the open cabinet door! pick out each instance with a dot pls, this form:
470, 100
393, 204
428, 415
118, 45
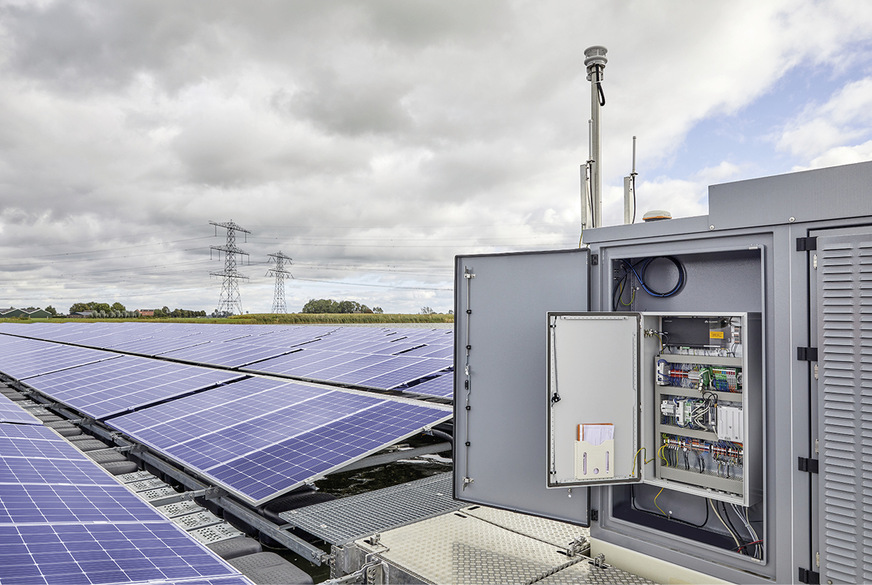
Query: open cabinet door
501, 306
594, 397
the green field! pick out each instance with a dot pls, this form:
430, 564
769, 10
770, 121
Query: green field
273, 319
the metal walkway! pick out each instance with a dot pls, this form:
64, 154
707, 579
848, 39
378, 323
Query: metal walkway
347, 519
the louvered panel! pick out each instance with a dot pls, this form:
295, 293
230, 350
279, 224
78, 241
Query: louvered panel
844, 296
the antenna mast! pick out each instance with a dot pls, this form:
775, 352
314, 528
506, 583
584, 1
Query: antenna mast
230, 301
281, 274
595, 61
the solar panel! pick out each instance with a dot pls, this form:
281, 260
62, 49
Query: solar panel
404, 375
107, 388
440, 386
63, 519
260, 438
35, 441
231, 355
45, 357
11, 412
292, 462
103, 553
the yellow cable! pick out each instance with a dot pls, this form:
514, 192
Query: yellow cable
644, 461
655, 502
662, 456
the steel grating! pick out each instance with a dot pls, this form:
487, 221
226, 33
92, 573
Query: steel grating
587, 573
347, 519
458, 548
561, 534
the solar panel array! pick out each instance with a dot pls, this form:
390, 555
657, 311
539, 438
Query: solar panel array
262, 438
394, 359
110, 387
257, 437
63, 519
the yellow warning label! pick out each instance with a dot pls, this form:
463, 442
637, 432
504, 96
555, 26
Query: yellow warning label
716, 334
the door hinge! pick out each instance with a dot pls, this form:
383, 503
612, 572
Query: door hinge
594, 259
806, 244
806, 576
807, 354
808, 464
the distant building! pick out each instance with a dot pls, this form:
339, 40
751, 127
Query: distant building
13, 313
146, 312
39, 314
82, 314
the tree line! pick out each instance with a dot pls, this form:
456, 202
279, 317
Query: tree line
118, 311
331, 306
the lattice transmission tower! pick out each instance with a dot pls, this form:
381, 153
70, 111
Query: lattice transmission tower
281, 275
230, 301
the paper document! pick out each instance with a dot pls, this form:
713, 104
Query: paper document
595, 434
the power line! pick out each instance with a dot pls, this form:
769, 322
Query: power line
230, 301
281, 274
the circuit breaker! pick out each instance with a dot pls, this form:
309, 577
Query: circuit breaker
668, 399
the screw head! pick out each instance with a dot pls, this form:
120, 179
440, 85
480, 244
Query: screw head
711, 227
791, 219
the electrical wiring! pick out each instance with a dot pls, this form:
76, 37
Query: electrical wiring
666, 517
658, 507
639, 270
732, 534
644, 461
758, 549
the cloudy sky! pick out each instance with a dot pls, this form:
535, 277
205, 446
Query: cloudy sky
372, 141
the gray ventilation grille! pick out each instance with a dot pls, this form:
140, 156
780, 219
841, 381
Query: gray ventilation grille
845, 398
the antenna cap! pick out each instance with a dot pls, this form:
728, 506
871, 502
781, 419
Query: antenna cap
595, 55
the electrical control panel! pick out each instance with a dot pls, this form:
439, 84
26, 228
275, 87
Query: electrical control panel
668, 399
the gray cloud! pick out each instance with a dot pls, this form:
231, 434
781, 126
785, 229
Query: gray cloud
370, 141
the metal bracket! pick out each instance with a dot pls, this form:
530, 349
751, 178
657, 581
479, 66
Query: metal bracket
467, 481
806, 576
806, 244
808, 465
807, 354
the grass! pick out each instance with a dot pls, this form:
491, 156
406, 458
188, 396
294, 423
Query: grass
271, 319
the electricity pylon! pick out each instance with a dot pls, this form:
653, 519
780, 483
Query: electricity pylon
281, 274
230, 301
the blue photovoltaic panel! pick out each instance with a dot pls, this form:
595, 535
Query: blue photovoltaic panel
103, 553
441, 386
35, 441
50, 471
405, 374
44, 503
49, 357
12, 413
323, 449
107, 388
231, 355
204, 414
63, 519
241, 434
158, 345
305, 360
341, 367
255, 435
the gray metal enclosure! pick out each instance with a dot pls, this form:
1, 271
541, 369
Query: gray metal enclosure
793, 251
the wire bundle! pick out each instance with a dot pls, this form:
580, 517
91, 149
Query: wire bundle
639, 270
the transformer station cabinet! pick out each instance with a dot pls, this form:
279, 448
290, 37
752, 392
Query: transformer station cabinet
698, 391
